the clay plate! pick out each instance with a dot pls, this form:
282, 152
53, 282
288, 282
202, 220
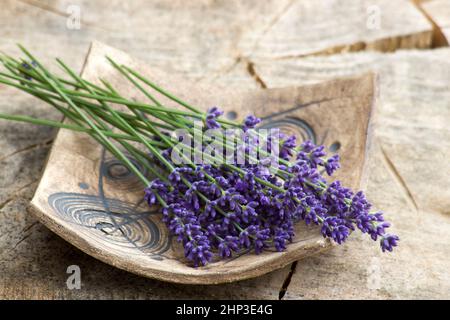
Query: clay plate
88, 198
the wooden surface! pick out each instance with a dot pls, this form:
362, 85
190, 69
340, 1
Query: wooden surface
326, 27
201, 41
438, 11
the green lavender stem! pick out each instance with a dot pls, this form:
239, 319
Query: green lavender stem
55, 84
46, 85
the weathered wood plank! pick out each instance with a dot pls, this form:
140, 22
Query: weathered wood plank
179, 37
196, 39
325, 27
408, 178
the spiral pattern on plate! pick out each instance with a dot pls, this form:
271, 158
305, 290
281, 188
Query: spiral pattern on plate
112, 220
292, 126
119, 177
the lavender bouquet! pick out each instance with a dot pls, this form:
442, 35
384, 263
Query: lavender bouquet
224, 187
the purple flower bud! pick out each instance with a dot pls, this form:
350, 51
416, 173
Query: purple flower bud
250, 122
198, 250
332, 164
174, 176
261, 236
307, 146
281, 239
287, 148
211, 118
214, 208
227, 246
388, 241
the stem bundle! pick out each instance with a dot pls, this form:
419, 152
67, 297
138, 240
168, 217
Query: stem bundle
257, 207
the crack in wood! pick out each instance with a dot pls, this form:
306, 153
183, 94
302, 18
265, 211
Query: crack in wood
277, 17
271, 24
30, 226
16, 193
224, 71
20, 241
27, 149
407, 192
439, 39
26, 235
251, 70
25, 186
5, 203
287, 280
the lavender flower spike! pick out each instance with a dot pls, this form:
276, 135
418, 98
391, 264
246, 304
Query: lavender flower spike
250, 122
388, 241
211, 118
216, 210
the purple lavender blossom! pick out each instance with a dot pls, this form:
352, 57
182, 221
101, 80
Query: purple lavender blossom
228, 245
389, 241
250, 122
261, 238
198, 250
281, 239
332, 164
211, 118
215, 211
335, 228
287, 147
307, 146
314, 156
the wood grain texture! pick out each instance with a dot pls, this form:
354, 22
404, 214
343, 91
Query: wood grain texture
202, 39
326, 27
103, 215
408, 178
198, 39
